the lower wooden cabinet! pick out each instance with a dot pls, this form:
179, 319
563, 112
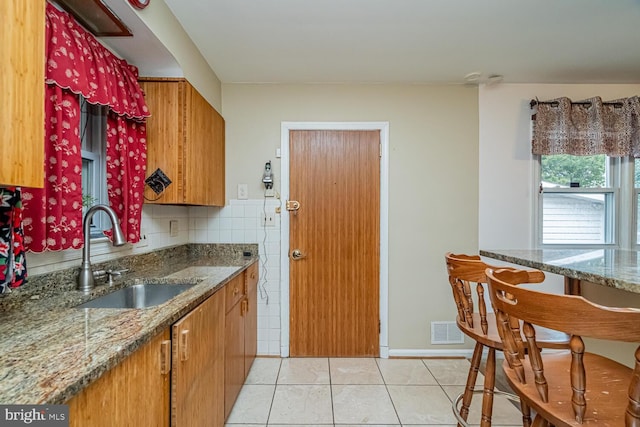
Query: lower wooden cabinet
250, 317
134, 393
198, 357
241, 329
188, 375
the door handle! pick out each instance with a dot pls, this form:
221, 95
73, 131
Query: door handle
296, 255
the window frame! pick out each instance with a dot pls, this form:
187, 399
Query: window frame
621, 184
93, 140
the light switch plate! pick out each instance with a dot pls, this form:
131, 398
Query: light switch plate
243, 191
173, 228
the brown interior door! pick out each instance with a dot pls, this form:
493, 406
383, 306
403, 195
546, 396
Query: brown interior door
334, 282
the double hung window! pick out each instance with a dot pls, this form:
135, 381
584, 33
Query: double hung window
588, 201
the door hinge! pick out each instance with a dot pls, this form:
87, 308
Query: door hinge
379, 326
380, 145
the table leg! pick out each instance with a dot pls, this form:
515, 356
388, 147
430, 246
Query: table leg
572, 286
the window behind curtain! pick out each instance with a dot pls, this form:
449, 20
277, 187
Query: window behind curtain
93, 133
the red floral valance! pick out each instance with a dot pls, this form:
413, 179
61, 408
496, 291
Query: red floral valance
78, 62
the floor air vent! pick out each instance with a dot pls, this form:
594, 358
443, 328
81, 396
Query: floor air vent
446, 333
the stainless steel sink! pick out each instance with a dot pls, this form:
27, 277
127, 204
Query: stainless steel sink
138, 296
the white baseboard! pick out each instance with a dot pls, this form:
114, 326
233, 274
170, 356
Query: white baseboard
430, 353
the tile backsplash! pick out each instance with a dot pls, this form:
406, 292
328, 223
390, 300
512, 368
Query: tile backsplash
241, 221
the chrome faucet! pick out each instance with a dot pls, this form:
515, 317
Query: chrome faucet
85, 279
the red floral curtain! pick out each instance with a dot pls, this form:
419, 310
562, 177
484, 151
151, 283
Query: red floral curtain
52, 217
126, 166
78, 64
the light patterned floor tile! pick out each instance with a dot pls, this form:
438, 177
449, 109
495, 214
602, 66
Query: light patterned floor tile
505, 412
421, 404
451, 371
363, 404
252, 405
354, 371
301, 404
405, 372
304, 371
264, 371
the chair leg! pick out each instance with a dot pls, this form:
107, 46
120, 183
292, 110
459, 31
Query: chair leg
489, 384
471, 381
526, 414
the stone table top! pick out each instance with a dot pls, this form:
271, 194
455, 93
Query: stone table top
614, 268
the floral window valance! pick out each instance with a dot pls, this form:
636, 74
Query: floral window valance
77, 61
587, 127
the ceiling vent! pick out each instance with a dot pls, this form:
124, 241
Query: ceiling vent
96, 17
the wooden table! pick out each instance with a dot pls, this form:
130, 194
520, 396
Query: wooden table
614, 268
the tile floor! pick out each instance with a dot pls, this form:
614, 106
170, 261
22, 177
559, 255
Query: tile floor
382, 392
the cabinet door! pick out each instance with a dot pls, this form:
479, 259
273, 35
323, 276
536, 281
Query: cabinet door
22, 26
204, 152
198, 366
251, 317
234, 357
134, 393
165, 137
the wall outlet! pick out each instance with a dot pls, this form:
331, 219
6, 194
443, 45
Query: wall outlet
144, 239
269, 192
174, 229
268, 219
243, 191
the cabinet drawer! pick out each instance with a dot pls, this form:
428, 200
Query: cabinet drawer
234, 291
251, 277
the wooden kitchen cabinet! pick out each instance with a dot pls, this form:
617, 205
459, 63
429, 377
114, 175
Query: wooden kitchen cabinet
241, 333
250, 317
22, 24
134, 393
186, 140
198, 365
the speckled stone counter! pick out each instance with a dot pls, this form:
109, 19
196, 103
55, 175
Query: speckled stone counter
49, 350
615, 268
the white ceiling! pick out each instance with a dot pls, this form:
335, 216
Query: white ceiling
416, 41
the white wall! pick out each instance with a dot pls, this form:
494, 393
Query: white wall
158, 17
507, 185
433, 170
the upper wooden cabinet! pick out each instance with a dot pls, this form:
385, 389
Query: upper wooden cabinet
22, 26
185, 138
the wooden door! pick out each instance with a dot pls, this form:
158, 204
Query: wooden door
334, 287
198, 366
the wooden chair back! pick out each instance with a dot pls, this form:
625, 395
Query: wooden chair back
579, 318
465, 271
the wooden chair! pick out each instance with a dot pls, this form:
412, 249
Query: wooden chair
480, 325
568, 388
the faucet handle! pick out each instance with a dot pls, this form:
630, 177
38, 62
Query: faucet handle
111, 273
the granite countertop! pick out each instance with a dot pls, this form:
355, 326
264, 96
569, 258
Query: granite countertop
49, 350
614, 268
